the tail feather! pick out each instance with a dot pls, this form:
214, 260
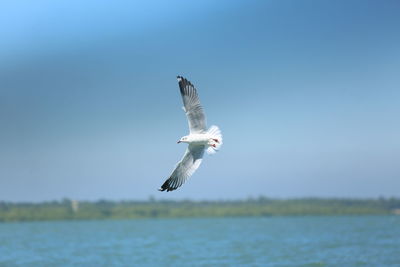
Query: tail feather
216, 134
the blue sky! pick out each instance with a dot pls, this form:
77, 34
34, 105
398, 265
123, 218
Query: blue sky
306, 94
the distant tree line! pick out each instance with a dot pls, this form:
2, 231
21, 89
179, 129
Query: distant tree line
103, 209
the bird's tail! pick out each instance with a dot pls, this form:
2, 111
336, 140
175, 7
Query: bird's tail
216, 139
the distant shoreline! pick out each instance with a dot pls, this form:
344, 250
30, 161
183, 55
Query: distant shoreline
67, 209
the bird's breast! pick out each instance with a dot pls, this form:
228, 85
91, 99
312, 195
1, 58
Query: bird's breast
198, 139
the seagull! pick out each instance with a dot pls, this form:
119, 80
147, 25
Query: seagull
200, 138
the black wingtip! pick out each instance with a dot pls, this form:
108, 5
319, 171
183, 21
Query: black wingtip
166, 187
183, 82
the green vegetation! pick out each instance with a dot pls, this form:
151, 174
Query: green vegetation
73, 210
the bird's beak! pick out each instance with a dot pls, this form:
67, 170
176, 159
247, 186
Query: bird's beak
178, 142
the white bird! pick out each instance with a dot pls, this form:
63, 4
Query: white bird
199, 139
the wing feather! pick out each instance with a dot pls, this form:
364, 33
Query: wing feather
192, 107
185, 168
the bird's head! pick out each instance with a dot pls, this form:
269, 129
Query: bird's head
183, 140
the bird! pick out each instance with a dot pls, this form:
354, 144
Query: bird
199, 139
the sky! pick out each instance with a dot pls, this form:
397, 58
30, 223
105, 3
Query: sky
306, 93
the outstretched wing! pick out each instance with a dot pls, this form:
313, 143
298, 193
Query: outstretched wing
192, 106
185, 168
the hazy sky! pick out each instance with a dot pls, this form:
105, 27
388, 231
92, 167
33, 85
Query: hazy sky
307, 94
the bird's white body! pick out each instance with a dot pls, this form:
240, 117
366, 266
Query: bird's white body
198, 139
210, 140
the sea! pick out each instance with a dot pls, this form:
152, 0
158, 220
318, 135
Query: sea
245, 241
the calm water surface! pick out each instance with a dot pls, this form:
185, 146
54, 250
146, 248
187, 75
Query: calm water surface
276, 241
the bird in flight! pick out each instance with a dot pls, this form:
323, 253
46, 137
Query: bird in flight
200, 138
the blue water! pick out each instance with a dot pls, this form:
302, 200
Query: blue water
275, 241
